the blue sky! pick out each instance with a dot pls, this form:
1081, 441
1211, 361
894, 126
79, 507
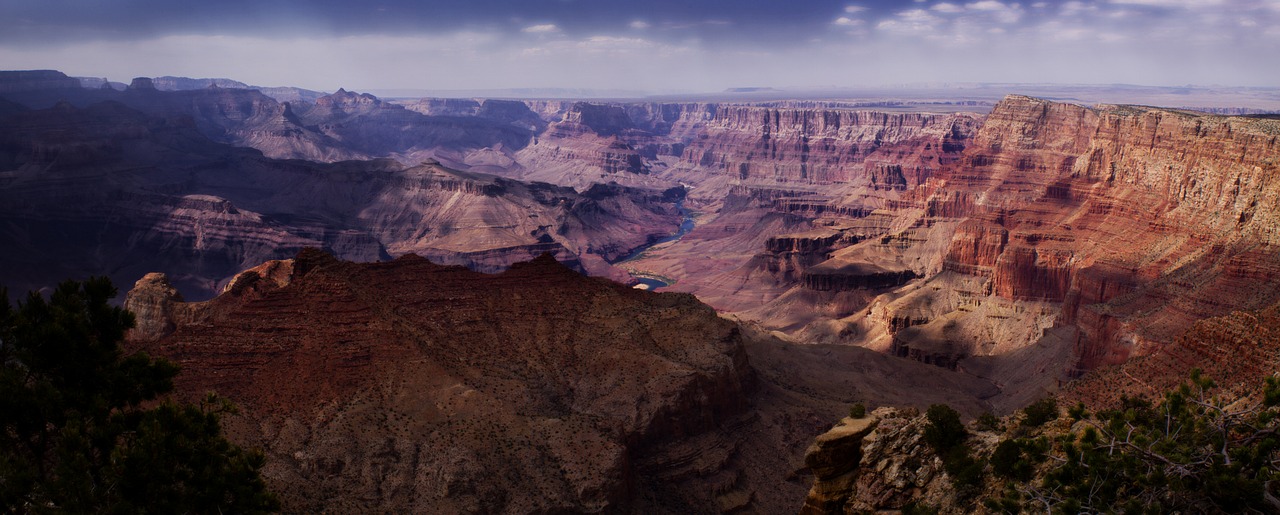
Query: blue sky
655, 46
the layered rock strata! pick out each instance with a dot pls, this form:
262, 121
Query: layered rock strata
125, 193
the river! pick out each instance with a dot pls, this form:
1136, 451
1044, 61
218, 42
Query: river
686, 225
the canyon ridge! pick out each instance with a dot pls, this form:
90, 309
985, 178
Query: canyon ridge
426, 303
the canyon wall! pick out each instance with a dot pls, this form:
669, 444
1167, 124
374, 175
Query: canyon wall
110, 189
1041, 241
1138, 220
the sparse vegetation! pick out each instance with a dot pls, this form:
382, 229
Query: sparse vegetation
945, 431
80, 431
1194, 452
913, 508
858, 410
946, 434
989, 422
1040, 412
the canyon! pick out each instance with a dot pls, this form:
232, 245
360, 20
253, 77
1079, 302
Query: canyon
406, 385
982, 254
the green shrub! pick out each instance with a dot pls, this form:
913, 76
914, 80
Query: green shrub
84, 427
1009, 461
858, 410
944, 431
1040, 412
989, 422
1195, 452
914, 508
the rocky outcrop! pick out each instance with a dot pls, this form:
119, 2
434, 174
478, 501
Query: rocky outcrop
421, 402
141, 84
588, 145
511, 112
788, 256
833, 458
878, 463
152, 300
170, 83
855, 276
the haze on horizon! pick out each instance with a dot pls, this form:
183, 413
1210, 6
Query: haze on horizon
656, 46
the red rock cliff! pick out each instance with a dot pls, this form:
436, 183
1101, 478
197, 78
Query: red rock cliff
1140, 220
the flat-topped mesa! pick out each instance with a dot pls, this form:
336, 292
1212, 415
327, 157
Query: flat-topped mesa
559, 380
788, 256
36, 80
141, 84
605, 120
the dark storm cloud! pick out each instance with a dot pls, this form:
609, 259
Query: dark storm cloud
125, 19
656, 45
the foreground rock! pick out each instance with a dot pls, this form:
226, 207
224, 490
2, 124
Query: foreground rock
409, 386
414, 386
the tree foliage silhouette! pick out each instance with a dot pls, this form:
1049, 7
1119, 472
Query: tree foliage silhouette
1196, 451
81, 430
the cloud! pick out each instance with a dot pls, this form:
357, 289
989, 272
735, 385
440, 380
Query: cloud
910, 23
1175, 4
690, 45
545, 28
1075, 8
1005, 13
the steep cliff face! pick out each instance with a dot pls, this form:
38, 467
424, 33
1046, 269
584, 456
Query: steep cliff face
366, 124
1137, 219
1238, 350
824, 168
1053, 239
816, 146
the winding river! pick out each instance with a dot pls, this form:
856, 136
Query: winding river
686, 225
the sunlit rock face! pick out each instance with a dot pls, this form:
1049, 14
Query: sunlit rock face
1044, 237
1138, 220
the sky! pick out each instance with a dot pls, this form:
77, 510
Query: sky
654, 46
